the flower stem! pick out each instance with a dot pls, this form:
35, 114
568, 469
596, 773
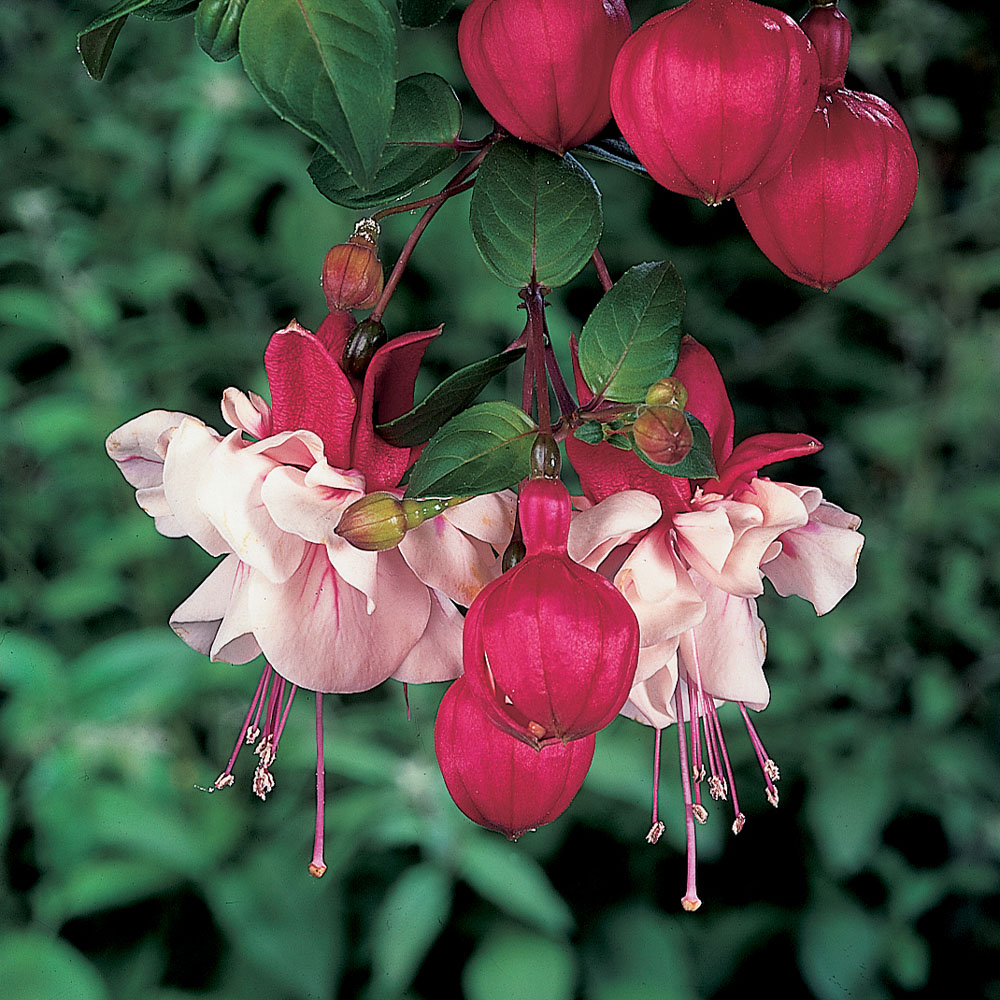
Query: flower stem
603, 275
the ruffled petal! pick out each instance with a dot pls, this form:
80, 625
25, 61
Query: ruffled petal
489, 517
651, 699
727, 648
214, 620
189, 450
594, 532
819, 561
447, 559
315, 629
437, 656
246, 412
229, 494
135, 447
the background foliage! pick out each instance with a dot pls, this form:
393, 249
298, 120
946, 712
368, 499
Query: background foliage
154, 230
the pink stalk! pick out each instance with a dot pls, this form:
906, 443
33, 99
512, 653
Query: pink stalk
317, 867
690, 901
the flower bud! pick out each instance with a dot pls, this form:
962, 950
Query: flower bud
545, 458
541, 67
667, 392
550, 647
360, 347
373, 523
830, 32
847, 188
662, 434
352, 272
496, 780
714, 95
217, 27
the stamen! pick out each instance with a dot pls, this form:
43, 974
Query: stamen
690, 901
740, 819
656, 830
225, 779
284, 718
253, 733
716, 785
406, 698
317, 867
768, 766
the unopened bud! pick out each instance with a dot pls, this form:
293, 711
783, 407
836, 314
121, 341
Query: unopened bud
662, 434
513, 554
545, 459
352, 272
667, 392
217, 27
360, 347
378, 521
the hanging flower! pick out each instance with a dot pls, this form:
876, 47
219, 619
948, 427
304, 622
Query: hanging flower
326, 615
693, 579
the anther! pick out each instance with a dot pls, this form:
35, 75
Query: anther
655, 832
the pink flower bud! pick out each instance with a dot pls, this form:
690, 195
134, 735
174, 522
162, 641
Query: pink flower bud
550, 647
541, 67
841, 197
830, 32
496, 780
714, 95
662, 434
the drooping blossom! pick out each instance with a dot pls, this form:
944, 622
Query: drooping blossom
550, 647
267, 497
497, 780
693, 579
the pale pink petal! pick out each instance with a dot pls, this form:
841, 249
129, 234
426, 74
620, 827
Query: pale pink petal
214, 620
447, 559
247, 412
229, 493
705, 536
189, 450
658, 589
310, 505
651, 699
154, 502
594, 532
819, 561
437, 656
727, 649
316, 632
290, 448
489, 517
134, 447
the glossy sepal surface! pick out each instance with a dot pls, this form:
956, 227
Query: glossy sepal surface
714, 95
842, 195
498, 781
550, 647
541, 67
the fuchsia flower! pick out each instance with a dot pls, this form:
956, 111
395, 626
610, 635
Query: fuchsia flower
550, 647
693, 579
497, 780
327, 616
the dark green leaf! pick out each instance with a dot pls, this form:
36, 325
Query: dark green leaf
697, 464
37, 965
591, 432
534, 214
616, 151
452, 396
505, 875
519, 964
483, 450
412, 915
97, 40
427, 111
423, 13
633, 336
329, 68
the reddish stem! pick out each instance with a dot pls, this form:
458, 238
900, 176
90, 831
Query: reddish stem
603, 275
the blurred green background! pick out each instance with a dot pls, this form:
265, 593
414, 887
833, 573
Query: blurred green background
154, 230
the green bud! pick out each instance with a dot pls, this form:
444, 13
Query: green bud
217, 27
545, 459
667, 392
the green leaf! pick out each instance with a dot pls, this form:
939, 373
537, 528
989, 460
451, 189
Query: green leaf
699, 463
534, 214
452, 396
519, 964
412, 915
839, 950
633, 336
483, 450
427, 111
612, 150
423, 13
329, 68
36, 965
97, 40
591, 432
508, 877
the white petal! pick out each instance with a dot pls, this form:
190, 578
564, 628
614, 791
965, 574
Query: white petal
437, 656
594, 532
